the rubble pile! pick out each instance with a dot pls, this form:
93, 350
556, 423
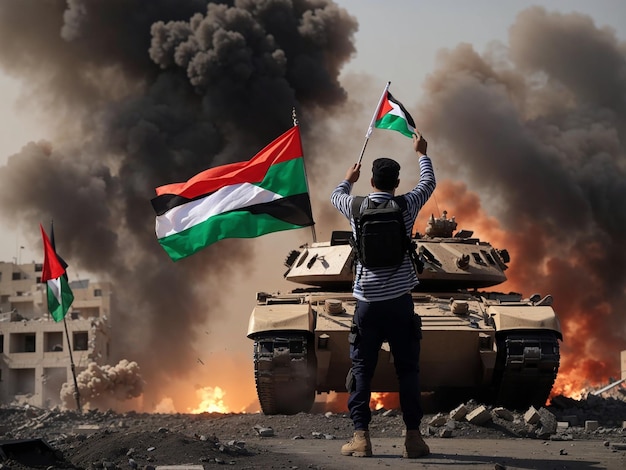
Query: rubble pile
95, 439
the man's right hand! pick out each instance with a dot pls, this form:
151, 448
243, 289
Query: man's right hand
353, 173
419, 144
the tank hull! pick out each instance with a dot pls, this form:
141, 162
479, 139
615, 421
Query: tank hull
498, 348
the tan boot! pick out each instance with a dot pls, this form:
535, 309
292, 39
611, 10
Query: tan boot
414, 445
359, 446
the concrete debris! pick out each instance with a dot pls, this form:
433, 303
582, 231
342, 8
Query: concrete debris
591, 425
479, 416
532, 416
547, 423
503, 413
438, 420
263, 431
458, 413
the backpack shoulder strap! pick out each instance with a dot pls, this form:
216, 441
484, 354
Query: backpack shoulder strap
401, 201
356, 207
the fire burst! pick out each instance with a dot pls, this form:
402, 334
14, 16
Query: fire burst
211, 400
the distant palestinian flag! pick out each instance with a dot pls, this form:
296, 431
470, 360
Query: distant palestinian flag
240, 200
393, 116
60, 296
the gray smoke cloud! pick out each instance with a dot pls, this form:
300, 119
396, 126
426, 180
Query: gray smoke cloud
104, 386
142, 94
537, 127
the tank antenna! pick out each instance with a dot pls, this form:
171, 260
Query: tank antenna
294, 116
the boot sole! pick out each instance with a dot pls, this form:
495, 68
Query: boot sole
415, 455
357, 454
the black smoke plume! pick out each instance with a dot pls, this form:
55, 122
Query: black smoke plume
144, 93
537, 127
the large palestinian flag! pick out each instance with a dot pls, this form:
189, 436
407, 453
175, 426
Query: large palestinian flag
266, 194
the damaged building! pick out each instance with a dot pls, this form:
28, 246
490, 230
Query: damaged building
34, 353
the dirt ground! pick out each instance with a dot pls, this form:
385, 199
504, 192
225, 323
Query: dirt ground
37, 438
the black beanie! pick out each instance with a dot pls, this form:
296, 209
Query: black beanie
385, 173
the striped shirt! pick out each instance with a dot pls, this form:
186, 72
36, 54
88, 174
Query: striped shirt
375, 284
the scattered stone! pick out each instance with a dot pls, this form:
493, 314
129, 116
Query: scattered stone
591, 425
562, 437
479, 416
390, 413
458, 413
618, 446
503, 413
445, 432
606, 443
263, 431
532, 416
437, 420
548, 423
499, 466
328, 414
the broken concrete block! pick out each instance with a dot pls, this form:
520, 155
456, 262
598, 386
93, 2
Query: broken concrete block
263, 431
503, 413
532, 416
437, 420
562, 425
591, 425
445, 432
547, 421
479, 416
618, 446
458, 413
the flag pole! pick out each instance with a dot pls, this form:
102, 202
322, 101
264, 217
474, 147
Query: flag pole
373, 121
295, 124
69, 347
67, 335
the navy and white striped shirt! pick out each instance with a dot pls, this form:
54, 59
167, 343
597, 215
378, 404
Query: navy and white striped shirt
375, 284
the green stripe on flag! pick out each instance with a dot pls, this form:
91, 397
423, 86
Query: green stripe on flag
285, 178
394, 123
236, 224
60, 297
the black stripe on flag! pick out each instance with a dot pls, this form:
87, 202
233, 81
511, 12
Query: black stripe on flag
409, 118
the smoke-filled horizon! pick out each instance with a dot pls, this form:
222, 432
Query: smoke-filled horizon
141, 97
147, 94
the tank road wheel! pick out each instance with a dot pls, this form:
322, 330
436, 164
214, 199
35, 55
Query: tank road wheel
526, 367
285, 370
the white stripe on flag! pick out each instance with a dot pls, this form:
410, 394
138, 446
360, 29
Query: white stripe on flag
228, 198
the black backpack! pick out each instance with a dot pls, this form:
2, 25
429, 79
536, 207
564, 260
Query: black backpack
381, 239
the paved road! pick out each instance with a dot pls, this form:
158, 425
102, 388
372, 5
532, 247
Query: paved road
457, 454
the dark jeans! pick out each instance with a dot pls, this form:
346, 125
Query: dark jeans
395, 321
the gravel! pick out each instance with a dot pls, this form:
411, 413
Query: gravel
110, 440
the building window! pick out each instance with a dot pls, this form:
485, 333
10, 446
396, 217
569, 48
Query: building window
53, 341
16, 276
97, 292
81, 341
38, 279
22, 342
38, 267
1, 344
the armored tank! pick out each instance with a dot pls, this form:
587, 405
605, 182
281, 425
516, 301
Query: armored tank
501, 349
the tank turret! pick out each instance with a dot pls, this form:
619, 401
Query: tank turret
505, 352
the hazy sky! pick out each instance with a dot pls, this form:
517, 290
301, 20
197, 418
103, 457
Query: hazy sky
397, 40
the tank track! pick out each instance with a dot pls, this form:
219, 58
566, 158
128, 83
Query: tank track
284, 372
526, 368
